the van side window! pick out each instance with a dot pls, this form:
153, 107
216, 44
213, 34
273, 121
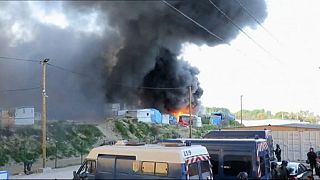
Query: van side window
148, 167
161, 168
124, 166
106, 164
234, 164
214, 159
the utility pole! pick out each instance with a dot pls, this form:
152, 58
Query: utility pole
241, 109
56, 155
44, 113
190, 117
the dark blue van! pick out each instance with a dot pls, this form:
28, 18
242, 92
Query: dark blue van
230, 157
244, 134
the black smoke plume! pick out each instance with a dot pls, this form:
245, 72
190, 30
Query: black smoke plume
148, 28
164, 79
121, 46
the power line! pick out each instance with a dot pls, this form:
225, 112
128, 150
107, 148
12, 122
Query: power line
3, 58
195, 22
257, 21
238, 27
201, 26
66, 70
22, 89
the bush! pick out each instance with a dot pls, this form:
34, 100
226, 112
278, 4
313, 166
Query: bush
121, 129
205, 120
132, 128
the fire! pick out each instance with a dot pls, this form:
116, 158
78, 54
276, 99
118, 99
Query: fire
182, 111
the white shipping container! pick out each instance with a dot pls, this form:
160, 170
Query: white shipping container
144, 115
295, 144
165, 118
198, 122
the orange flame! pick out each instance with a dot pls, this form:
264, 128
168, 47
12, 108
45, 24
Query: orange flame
182, 111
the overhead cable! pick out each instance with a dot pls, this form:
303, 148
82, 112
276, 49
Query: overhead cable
238, 27
257, 21
3, 58
22, 89
195, 22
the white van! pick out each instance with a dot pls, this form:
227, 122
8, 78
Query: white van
153, 161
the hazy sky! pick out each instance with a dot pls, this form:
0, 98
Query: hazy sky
287, 80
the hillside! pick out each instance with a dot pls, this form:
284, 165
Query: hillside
130, 129
72, 140
64, 140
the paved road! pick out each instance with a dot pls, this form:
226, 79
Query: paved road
59, 173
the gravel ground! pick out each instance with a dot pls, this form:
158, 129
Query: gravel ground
59, 173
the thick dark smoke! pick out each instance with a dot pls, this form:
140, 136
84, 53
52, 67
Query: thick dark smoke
169, 72
147, 27
120, 46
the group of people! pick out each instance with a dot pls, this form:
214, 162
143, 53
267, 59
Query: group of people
282, 172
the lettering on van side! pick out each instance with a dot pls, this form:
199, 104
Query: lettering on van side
187, 153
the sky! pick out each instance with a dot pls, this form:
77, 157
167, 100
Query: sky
282, 77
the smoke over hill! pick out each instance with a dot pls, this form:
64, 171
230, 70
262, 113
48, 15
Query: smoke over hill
121, 47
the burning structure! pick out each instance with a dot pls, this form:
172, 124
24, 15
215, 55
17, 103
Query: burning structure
128, 49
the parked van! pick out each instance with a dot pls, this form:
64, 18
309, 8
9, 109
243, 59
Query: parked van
153, 161
230, 157
244, 134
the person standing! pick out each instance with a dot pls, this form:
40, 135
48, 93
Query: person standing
278, 152
312, 158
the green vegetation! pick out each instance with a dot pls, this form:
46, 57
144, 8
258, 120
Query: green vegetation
262, 114
259, 114
64, 140
130, 129
210, 110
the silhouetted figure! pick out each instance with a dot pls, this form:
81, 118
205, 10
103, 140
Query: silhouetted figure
283, 171
278, 152
274, 171
243, 175
312, 157
25, 167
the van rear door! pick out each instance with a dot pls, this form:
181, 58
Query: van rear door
199, 167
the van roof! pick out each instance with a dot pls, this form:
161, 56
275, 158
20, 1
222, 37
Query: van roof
239, 134
217, 140
151, 152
